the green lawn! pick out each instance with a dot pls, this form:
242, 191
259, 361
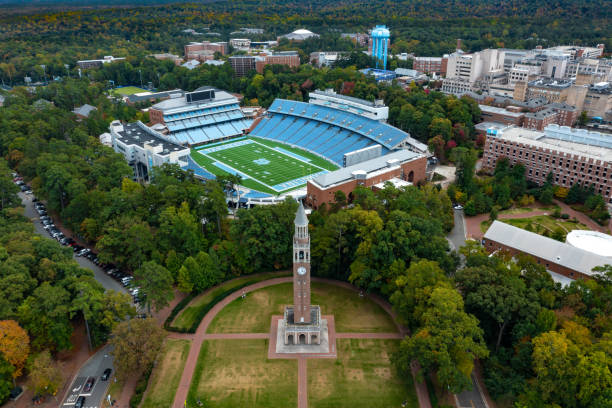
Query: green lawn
166, 374
540, 224
237, 373
128, 90
186, 318
362, 377
522, 210
351, 313
281, 168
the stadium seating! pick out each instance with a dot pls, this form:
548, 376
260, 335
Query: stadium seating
327, 131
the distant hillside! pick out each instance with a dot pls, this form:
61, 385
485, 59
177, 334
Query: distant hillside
422, 8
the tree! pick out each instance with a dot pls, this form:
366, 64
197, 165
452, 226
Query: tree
6, 379
447, 343
199, 273
136, 343
45, 374
465, 162
497, 295
14, 345
155, 282
583, 118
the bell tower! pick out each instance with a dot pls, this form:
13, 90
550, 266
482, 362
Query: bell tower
301, 268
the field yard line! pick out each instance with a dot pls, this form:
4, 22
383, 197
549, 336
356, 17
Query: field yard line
294, 158
240, 172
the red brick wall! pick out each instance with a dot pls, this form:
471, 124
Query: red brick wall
538, 162
156, 116
316, 196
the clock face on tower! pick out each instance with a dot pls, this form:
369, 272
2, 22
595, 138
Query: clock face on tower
301, 270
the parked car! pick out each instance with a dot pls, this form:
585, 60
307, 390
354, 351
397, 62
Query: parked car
80, 402
83, 252
77, 248
106, 375
89, 384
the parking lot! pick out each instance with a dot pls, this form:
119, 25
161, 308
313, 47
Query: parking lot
93, 369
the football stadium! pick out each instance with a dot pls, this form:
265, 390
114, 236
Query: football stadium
298, 141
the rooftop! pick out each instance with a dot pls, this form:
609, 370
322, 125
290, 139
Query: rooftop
84, 110
180, 104
551, 139
501, 111
368, 167
546, 248
137, 133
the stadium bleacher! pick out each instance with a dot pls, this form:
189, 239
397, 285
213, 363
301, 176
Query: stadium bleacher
328, 131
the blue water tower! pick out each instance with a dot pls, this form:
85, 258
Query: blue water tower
380, 42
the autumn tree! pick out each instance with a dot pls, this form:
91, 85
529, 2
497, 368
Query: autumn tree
14, 345
136, 343
45, 374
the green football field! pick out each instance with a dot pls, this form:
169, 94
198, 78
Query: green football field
269, 168
128, 90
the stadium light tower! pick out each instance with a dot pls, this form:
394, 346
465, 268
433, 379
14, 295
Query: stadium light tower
380, 43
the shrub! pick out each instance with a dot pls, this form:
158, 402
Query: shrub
565, 216
557, 213
141, 387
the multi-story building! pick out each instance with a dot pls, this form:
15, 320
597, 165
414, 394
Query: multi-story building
288, 58
510, 115
551, 90
240, 43
360, 39
199, 117
467, 72
572, 155
431, 65
96, 63
402, 167
325, 58
194, 50
598, 101
242, 64
144, 148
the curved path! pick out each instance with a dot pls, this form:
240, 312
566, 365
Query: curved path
200, 335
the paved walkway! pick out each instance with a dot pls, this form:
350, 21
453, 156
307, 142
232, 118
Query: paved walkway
201, 335
473, 223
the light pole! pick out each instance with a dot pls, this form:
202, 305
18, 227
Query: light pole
140, 72
67, 69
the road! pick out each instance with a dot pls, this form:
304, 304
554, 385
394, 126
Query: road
472, 398
94, 367
105, 280
456, 238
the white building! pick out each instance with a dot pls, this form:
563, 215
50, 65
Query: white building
144, 148
463, 71
372, 110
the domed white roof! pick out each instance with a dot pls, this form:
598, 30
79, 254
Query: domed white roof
302, 31
591, 241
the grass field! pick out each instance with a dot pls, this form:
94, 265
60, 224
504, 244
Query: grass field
237, 373
238, 316
261, 164
186, 318
167, 374
128, 90
539, 224
361, 377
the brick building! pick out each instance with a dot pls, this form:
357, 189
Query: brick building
510, 115
557, 257
431, 65
403, 165
572, 155
242, 64
194, 50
